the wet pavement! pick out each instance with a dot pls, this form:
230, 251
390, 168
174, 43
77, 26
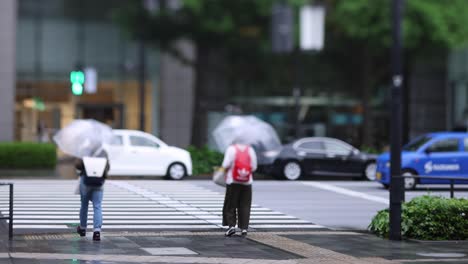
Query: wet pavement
266, 246
366, 246
213, 247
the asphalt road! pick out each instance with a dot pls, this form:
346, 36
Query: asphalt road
342, 205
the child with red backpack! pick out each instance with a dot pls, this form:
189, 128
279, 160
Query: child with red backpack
240, 161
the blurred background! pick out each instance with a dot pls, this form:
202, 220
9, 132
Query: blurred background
175, 68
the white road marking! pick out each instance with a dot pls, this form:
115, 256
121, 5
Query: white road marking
108, 217
132, 205
287, 226
74, 209
282, 221
15, 226
74, 212
160, 227
107, 222
340, 190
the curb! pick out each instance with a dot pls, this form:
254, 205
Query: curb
29, 173
437, 241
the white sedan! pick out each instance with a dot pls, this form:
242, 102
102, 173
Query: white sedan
134, 152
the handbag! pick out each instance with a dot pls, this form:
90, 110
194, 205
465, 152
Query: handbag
219, 177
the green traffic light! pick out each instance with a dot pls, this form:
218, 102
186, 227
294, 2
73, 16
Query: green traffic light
77, 79
77, 89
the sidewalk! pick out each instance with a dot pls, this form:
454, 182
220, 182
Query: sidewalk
212, 247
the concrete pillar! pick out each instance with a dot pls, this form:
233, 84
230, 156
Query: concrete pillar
176, 97
8, 13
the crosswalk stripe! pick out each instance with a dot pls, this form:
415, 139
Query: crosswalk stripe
75, 209
123, 227
161, 227
108, 222
74, 205
132, 205
139, 217
107, 217
125, 213
287, 226
74, 212
15, 226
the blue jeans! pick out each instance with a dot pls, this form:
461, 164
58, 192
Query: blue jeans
93, 194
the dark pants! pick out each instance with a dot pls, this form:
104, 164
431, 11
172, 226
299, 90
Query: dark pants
238, 198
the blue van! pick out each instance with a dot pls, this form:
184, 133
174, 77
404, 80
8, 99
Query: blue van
434, 154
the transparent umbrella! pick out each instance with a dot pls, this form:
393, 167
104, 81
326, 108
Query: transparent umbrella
246, 129
83, 137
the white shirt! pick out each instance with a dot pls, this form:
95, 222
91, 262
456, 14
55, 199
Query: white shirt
228, 162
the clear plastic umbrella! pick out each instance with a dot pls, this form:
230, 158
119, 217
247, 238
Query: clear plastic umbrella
83, 137
248, 130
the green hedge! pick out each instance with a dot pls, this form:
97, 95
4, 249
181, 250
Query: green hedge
370, 149
428, 218
204, 160
22, 155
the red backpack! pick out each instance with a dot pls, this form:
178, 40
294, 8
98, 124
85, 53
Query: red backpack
242, 170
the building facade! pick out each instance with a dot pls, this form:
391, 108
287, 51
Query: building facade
55, 38
43, 41
7, 68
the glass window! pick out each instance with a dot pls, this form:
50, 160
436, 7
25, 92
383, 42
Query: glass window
337, 148
445, 145
142, 142
417, 143
311, 146
465, 143
117, 141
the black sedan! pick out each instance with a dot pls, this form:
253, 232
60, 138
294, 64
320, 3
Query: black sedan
322, 156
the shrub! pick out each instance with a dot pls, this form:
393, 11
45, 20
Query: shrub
370, 149
22, 155
204, 159
380, 223
428, 218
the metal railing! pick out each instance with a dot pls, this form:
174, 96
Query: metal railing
451, 180
10, 215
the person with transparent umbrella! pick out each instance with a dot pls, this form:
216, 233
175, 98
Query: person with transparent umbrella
84, 140
240, 161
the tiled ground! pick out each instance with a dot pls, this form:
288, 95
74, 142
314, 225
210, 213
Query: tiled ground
364, 246
213, 246
300, 247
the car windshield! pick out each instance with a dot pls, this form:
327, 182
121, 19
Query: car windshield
417, 143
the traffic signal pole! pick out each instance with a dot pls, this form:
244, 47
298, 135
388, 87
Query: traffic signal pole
397, 193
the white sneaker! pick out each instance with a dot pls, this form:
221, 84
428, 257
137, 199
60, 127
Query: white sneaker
244, 232
231, 231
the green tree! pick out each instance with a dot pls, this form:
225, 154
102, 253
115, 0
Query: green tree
231, 38
360, 33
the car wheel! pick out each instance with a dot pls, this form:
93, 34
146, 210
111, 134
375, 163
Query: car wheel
176, 171
410, 183
370, 171
292, 170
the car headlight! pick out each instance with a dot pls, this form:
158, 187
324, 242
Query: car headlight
271, 153
387, 164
